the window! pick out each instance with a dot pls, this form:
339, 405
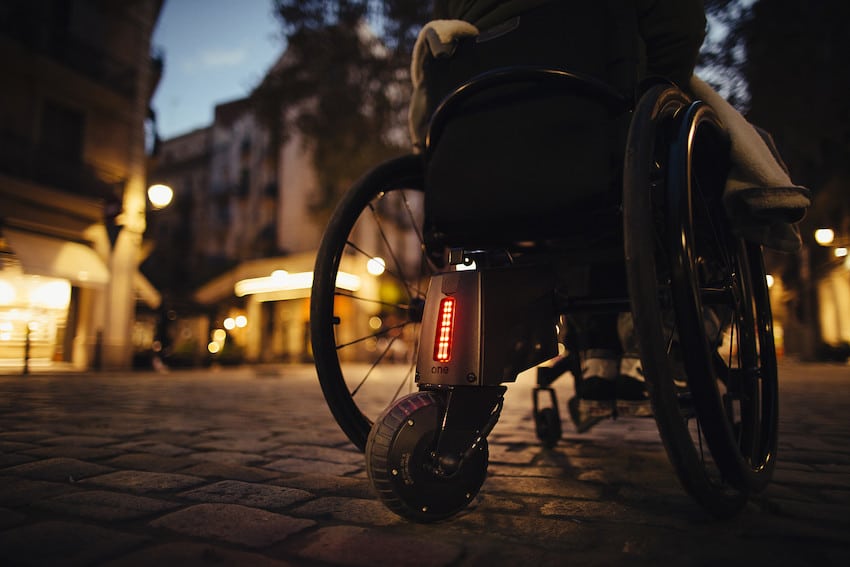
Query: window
244, 187
62, 131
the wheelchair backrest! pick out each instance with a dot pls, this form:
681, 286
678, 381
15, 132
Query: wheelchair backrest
528, 124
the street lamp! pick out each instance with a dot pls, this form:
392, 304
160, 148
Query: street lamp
376, 266
824, 236
160, 195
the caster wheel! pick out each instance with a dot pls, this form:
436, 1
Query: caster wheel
404, 470
547, 423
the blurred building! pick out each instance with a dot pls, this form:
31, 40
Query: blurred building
251, 224
177, 261
245, 214
77, 82
224, 212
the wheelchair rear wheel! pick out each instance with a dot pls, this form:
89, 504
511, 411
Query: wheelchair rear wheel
720, 291
714, 401
368, 293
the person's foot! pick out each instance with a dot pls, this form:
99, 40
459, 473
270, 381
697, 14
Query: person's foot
597, 388
587, 413
597, 398
631, 393
599, 374
597, 392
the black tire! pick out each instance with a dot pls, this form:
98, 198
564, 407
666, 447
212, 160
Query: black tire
399, 462
657, 320
363, 368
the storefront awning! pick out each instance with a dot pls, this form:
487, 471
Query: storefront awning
224, 286
45, 256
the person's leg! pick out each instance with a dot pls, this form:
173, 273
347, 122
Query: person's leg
600, 356
599, 350
631, 393
631, 384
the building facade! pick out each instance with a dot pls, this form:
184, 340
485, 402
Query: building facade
77, 82
251, 218
224, 213
255, 225
253, 221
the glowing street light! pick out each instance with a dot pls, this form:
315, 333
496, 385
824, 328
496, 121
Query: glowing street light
160, 195
376, 266
824, 236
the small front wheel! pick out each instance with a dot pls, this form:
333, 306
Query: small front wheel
404, 466
547, 420
547, 424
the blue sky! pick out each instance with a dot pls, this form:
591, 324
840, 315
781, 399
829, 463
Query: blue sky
215, 51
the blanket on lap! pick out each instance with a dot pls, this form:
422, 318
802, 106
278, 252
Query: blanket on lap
762, 202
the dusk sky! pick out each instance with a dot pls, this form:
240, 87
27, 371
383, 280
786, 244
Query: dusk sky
215, 51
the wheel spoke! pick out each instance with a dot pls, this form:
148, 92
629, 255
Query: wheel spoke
374, 335
412, 291
360, 298
405, 381
374, 365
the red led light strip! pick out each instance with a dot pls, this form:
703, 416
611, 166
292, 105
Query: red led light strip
445, 330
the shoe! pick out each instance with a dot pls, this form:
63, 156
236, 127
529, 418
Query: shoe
597, 398
680, 375
631, 393
596, 393
598, 378
584, 415
596, 388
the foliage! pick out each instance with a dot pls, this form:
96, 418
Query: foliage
723, 53
343, 85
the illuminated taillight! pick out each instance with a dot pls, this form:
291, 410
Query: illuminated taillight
445, 330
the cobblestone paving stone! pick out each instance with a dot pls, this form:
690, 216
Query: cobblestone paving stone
246, 466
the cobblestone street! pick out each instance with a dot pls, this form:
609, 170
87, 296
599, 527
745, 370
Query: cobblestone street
246, 466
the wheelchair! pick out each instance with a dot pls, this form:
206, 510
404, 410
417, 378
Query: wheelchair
414, 363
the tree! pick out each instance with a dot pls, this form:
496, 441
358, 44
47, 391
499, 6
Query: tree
723, 53
343, 84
